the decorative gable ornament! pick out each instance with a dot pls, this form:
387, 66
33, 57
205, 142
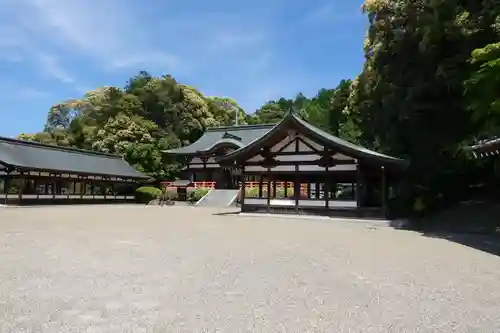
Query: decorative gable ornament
228, 135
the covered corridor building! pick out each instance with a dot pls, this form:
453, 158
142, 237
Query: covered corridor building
35, 173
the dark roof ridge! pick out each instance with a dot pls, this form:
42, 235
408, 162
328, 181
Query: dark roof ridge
55, 147
239, 127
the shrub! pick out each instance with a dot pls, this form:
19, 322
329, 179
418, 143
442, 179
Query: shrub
196, 194
145, 194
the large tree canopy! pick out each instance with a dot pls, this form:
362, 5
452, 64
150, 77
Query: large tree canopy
152, 114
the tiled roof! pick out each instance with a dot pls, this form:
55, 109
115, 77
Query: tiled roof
36, 156
237, 136
293, 121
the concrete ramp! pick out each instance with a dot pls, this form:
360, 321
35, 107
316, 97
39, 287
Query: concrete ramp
218, 198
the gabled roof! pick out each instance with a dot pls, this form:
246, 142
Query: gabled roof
41, 157
231, 136
293, 122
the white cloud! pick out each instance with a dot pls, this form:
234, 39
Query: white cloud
329, 13
113, 35
49, 64
29, 93
227, 54
157, 58
103, 30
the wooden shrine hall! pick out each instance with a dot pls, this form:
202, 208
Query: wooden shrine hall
32, 173
297, 168
200, 156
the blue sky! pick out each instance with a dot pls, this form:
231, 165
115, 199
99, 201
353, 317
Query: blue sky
252, 51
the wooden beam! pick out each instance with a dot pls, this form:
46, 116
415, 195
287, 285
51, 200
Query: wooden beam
383, 190
314, 162
242, 189
290, 143
293, 153
261, 180
296, 188
314, 150
327, 189
269, 190
358, 186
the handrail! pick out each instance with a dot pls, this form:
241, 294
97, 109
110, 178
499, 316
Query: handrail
279, 184
203, 184
253, 184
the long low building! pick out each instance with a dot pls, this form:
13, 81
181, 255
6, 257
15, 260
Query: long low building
35, 173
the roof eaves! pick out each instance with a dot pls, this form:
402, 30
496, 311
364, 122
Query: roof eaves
344, 145
178, 151
138, 176
485, 144
55, 147
239, 127
247, 147
186, 151
348, 147
221, 142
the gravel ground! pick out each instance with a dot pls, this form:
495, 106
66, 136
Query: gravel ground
183, 269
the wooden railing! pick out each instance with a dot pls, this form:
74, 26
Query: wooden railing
248, 185
279, 184
210, 185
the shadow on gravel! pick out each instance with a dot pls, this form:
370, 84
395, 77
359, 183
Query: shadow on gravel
484, 242
487, 241
475, 224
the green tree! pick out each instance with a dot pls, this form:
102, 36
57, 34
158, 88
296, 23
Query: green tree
149, 115
225, 110
483, 89
409, 99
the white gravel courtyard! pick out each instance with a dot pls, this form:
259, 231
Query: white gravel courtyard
184, 269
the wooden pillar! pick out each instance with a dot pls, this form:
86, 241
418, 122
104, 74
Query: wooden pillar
242, 188
268, 189
383, 190
261, 181
359, 179
35, 183
6, 186
328, 180
21, 187
54, 186
296, 188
